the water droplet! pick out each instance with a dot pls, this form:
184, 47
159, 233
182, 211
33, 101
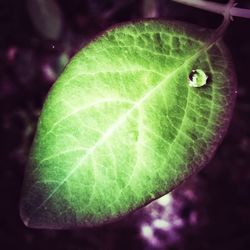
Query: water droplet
197, 78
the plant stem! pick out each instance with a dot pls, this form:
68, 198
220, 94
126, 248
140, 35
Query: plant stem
226, 21
216, 7
240, 12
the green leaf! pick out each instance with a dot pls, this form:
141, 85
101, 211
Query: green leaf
122, 127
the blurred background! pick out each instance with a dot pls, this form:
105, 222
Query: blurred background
211, 210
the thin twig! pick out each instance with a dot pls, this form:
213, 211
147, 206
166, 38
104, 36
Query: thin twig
216, 7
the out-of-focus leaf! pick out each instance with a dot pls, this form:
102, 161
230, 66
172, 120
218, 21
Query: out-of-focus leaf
46, 17
150, 9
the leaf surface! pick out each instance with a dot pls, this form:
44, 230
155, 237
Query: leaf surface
122, 126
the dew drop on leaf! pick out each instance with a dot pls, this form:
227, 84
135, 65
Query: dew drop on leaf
197, 78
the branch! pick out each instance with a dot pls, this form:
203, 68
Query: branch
217, 8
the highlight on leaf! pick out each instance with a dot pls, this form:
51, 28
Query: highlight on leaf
122, 127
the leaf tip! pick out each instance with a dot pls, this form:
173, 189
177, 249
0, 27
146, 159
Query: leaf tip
25, 219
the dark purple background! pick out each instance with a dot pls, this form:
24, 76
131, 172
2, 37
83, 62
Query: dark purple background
218, 197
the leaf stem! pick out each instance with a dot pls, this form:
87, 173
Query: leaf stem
217, 8
226, 21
